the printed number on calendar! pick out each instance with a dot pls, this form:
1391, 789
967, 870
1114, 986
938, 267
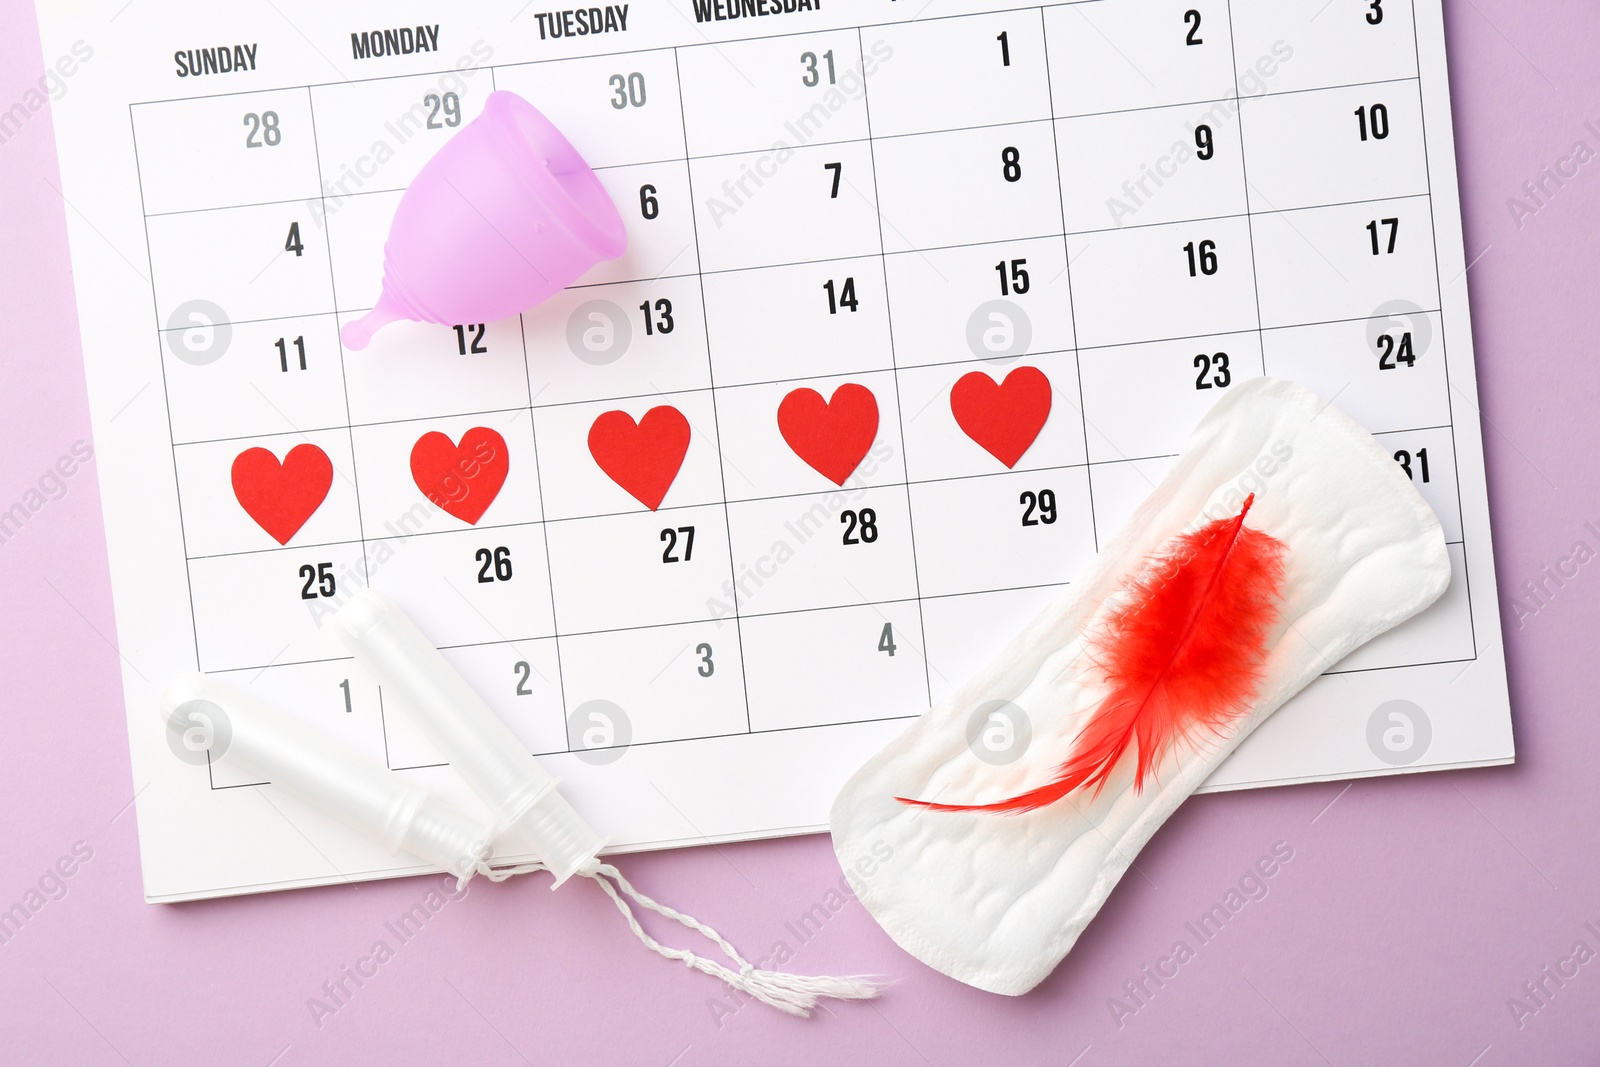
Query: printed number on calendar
1392, 352
500, 562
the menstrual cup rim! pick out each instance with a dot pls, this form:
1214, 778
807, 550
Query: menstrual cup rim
604, 236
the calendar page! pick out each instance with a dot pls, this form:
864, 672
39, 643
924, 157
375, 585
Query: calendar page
920, 300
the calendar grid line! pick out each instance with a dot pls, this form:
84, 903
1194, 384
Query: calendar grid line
1433, 226
801, 611
691, 507
1244, 174
344, 387
549, 564
1072, 310
383, 726
716, 423
166, 397
899, 406
1047, 236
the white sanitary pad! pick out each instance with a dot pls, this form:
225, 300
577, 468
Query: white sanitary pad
996, 900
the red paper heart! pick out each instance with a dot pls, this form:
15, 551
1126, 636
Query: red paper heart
642, 457
282, 496
832, 436
462, 479
1004, 419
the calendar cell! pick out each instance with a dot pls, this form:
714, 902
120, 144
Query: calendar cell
520, 680
777, 323
1116, 57
955, 73
752, 96
473, 586
1318, 43
1386, 372
658, 212
788, 205
613, 341
1119, 489
939, 445
798, 663
1161, 165
405, 746
1010, 530
484, 479
615, 109
640, 569
996, 302
420, 370
215, 522
575, 485
332, 696
376, 135
757, 460
1143, 400
242, 260
1439, 634
1427, 456
851, 546
261, 608
1347, 262
1335, 146
966, 632
278, 375
1151, 282
354, 228
670, 683
969, 186
226, 151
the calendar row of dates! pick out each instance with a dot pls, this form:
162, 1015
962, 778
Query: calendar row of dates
1077, 175
600, 693
284, 381
1134, 284
702, 562
767, 97
777, 447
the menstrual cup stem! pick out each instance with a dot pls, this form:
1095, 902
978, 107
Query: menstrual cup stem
358, 333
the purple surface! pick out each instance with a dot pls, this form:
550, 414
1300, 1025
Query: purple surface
1412, 911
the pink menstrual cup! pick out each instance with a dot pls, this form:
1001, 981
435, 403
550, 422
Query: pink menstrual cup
504, 215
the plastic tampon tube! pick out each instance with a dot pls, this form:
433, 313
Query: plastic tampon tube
324, 773
480, 747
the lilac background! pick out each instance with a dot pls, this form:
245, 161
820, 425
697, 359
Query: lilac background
1412, 909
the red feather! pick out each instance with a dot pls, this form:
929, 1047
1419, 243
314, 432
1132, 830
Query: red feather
1181, 656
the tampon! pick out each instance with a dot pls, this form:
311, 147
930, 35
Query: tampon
316, 768
482, 749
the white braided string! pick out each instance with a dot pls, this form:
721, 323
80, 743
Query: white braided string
796, 994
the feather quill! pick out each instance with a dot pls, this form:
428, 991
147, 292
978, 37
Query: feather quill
1180, 655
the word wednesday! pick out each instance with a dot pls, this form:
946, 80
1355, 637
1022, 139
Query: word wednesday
224, 59
582, 21
724, 10
402, 41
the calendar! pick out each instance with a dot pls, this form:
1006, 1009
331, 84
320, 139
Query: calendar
920, 300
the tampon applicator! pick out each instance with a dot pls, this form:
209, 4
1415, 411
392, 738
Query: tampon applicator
329, 776
525, 802
482, 749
